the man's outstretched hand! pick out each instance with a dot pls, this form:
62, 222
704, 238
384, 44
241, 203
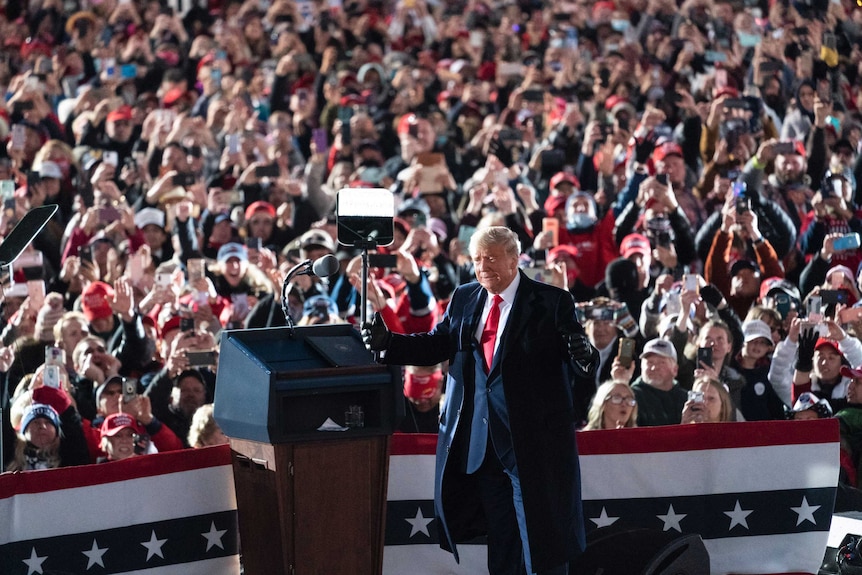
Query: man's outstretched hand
376, 335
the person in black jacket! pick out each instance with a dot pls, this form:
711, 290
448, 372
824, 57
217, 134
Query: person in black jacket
655, 212
50, 433
774, 224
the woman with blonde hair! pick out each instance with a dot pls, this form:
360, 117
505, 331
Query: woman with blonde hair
614, 406
204, 430
50, 432
708, 402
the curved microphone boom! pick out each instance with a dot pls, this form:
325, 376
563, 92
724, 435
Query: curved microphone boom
322, 267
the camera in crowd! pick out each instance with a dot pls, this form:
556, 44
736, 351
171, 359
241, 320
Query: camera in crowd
659, 232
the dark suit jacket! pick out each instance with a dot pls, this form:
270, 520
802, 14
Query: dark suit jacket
537, 377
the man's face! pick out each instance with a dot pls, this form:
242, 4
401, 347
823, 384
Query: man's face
674, 167
234, 270
119, 130
99, 356
757, 348
260, 226
189, 395
827, 363
658, 370
221, 232
789, 167
746, 283
154, 236
716, 338
109, 401
102, 324
601, 332
495, 269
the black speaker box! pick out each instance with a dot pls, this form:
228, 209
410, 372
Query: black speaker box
615, 551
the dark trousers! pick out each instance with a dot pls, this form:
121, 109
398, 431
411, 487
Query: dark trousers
506, 542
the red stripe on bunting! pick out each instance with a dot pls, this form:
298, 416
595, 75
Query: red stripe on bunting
134, 468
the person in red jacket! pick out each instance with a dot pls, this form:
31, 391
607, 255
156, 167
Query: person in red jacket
592, 237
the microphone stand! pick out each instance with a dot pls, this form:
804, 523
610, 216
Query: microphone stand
363, 293
294, 271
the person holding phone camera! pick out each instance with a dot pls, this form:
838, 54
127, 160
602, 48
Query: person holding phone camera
114, 396
739, 280
112, 130
787, 186
181, 386
605, 322
759, 400
833, 213
650, 203
708, 402
49, 429
819, 360
772, 222
833, 281
716, 345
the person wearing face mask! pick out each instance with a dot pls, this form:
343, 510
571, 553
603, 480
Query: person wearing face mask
591, 238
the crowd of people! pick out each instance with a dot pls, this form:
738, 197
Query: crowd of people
686, 169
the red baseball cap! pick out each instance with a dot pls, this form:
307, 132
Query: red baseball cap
665, 150
422, 386
173, 96
635, 244
258, 207
554, 203
850, 372
124, 112
561, 177
822, 341
117, 422
96, 301
562, 249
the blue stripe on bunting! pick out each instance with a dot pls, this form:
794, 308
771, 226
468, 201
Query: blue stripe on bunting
123, 549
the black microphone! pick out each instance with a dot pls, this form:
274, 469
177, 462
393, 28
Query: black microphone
322, 267
325, 266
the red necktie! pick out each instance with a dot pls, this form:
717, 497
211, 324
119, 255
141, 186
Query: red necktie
489, 333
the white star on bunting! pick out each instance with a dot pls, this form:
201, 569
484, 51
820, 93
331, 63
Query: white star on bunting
672, 519
603, 520
738, 516
154, 546
214, 536
34, 563
419, 523
94, 555
805, 512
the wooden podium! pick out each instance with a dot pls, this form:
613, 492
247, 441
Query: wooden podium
309, 501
